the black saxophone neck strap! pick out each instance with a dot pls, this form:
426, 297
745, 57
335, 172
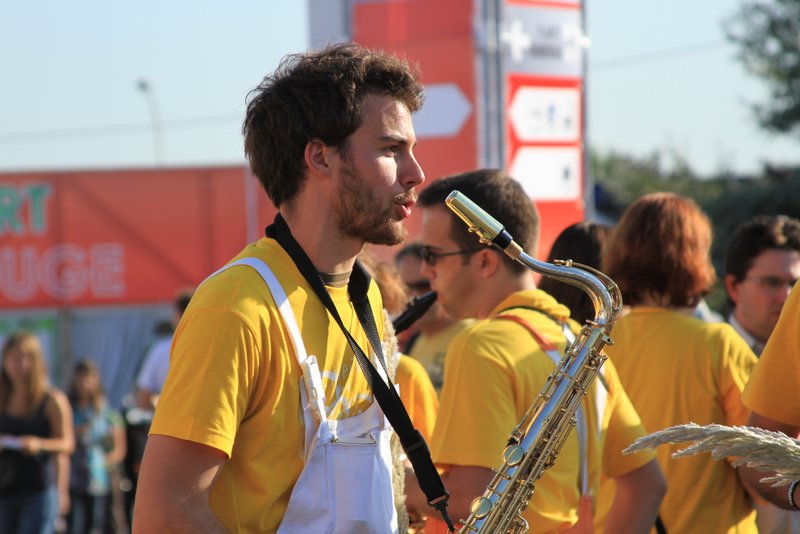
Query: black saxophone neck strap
387, 397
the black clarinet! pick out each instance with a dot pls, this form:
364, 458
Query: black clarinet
415, 309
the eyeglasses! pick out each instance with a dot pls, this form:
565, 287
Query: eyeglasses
773, 283
430, 257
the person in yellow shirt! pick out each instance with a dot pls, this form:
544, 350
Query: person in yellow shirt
433, 332
762, 263
580, 242
267, 422
496, 368
677, 368
773, 395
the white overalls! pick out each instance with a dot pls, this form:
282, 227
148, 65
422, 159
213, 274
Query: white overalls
346, 483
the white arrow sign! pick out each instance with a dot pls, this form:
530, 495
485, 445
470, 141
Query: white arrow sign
445, 111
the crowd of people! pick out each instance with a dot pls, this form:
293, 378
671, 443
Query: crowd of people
286, 402
68, 459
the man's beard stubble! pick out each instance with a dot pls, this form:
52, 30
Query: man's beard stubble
362, 214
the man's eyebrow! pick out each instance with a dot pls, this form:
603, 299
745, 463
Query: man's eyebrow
396, 140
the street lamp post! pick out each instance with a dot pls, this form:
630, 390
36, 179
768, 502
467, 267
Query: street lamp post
155, 120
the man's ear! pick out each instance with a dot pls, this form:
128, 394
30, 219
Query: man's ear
317, 156
731, 287
488, 261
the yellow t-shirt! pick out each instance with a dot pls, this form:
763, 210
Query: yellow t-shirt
677, 369
621, 427
495, 370
233, 382
418, 395
774, 387
430, 350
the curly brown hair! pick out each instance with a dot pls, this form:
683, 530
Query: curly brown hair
317, 96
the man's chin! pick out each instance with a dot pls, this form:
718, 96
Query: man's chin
391, 234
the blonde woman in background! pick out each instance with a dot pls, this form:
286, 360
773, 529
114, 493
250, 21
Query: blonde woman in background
35, 427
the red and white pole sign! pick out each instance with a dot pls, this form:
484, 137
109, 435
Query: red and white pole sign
503, 83
542, 53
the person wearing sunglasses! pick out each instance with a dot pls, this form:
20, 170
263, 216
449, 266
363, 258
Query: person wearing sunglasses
496, 367
432, 333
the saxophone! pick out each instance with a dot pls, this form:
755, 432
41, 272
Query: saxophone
536, 440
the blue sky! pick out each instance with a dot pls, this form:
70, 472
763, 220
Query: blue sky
661, 77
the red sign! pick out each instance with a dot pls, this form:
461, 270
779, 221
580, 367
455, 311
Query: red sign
545, 132
129, 236
437, 36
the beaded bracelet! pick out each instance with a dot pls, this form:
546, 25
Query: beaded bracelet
792, 487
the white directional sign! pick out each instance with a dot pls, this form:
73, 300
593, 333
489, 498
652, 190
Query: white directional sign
546, 114
551, 173
444, 113
542, 40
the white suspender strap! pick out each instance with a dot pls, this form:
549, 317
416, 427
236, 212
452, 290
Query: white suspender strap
308, 364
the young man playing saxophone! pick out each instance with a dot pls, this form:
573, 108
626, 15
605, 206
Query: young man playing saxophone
495, 369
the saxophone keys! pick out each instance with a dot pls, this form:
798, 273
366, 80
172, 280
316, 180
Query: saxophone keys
480, 507
513, 455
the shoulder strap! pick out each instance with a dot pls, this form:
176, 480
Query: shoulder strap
580, 415
307, 363
387, 397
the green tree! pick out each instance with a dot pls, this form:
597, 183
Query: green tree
626, 177
766, 33
727, 200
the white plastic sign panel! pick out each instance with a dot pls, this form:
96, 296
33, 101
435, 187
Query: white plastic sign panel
548, 173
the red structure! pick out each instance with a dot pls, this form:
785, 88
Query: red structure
121, 237
504, 88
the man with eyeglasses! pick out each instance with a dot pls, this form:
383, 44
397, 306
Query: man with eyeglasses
431, 334
495, 368
762, 263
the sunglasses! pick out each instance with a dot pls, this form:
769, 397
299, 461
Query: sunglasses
430, 257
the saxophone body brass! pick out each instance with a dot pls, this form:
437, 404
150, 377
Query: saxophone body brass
535, 442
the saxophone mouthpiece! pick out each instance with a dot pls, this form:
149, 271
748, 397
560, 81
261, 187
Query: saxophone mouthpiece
488, 229
416, 307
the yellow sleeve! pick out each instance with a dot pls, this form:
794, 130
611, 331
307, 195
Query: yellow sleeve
476, 412
623, 426
774, 387
737, 364
213, 365
418, 395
